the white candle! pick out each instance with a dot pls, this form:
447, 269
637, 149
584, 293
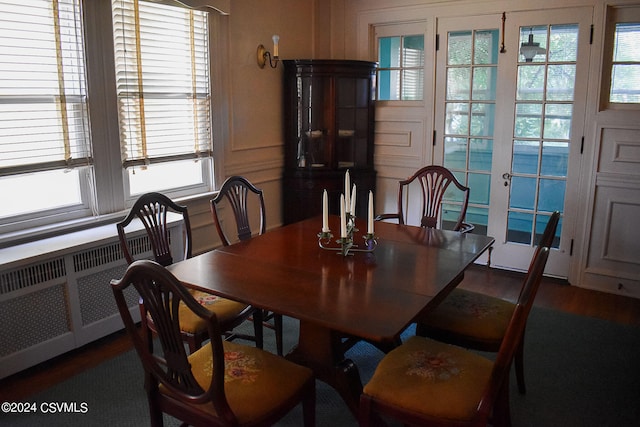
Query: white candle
276, 39
352, 208
343, 219
325, 212
347, 186
370, 223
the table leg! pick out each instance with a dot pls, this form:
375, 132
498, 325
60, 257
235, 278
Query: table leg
320, 349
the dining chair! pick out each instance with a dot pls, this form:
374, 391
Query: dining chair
431, 383
221, 384
235, 193
434, 182
152, 210
478, 321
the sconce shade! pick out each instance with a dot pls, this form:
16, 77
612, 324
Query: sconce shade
530, 49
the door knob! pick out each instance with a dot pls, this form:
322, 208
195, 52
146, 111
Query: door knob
507, 178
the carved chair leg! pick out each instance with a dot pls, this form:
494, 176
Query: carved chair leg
277, 321
258, 328
309, 406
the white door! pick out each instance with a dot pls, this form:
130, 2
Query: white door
512, 128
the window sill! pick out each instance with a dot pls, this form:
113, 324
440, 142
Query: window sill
20, 248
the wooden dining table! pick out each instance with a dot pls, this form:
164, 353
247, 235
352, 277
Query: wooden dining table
372, 296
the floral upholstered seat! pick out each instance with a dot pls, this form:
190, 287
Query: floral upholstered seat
431, 378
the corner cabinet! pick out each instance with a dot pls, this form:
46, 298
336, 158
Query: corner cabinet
329, 116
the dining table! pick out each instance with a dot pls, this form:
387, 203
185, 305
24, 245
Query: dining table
372, 293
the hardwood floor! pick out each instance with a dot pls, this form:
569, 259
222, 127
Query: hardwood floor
553, 293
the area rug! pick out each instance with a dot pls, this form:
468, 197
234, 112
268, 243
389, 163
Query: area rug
579, 372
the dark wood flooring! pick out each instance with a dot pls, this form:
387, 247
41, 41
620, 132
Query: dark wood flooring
553, 293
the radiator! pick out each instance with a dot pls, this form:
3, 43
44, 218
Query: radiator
62, 300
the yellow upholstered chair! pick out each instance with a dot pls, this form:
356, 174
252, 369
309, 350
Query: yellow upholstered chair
478, 321
434, 182
430, 383
221, 384
234, 194
152, 210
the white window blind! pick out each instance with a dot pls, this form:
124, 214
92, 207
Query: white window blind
162, 77
625, 69
43, 101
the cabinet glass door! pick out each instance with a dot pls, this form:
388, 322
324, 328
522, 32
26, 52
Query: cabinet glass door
352, 112
313, 123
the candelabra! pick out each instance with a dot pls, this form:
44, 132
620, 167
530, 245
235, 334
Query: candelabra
346, 244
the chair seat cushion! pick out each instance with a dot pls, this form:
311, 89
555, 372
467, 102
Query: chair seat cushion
470, 316
256, 381
431, 378
225, 309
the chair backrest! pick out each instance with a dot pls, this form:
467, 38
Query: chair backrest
434, 181
152, 209
160, 294
514, 332
549, 233
545, 242
236, 190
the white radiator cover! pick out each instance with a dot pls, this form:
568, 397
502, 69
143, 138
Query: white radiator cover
60, 299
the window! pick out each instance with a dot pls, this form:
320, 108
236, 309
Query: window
162, 80
44, 129
625, 70
622, 58
100, 112
400, 64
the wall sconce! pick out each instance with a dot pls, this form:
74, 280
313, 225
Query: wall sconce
263, 53
530, 49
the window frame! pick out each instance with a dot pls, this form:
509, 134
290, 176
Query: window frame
135, 164
618, 14
108, 176
401, 30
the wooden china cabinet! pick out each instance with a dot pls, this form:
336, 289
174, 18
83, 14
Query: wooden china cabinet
329, 129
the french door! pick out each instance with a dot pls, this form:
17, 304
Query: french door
509, 118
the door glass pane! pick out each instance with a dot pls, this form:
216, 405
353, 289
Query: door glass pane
459, 48
479, 217
480, 152
551, 196
525, 157
528, 121
557, 121
530, 83
484, 83
472, 58
561, 82
541, 223
458, 83
533, 44
455, 155
457, 119
484, 50
450, 214
519, 227
555, 159
523, 193
482, 118
480, 183
563, 43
